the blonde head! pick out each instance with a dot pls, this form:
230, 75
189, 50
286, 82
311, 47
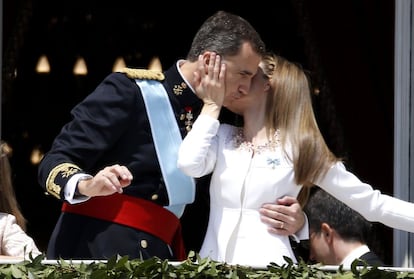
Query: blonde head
289, 109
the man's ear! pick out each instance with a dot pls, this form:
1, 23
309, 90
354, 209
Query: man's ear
327, 232
206, 57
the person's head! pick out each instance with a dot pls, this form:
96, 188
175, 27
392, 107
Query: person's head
8, 202
334, 228
289, 109
255, 101
237, 42
287, 89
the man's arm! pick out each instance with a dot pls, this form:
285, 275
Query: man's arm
285, 217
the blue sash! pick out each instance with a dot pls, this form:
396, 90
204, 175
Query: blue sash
167, 139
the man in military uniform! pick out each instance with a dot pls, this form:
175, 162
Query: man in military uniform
104, 166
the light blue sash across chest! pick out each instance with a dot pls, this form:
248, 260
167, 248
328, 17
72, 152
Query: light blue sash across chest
167, 139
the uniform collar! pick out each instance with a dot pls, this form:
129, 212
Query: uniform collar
186, 104
177, 86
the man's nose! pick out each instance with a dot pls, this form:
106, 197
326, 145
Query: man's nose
244, 87
243, 90
311, 256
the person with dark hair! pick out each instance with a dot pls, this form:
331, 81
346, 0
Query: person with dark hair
15, 243
338, 234
114, 164
278, 151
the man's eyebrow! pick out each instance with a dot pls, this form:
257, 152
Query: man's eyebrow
247, 73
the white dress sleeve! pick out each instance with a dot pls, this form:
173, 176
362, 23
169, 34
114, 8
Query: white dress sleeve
198, 151
14, 240
370, 203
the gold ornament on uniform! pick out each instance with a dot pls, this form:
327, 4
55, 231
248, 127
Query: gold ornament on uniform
188, 118
143, 74
64, 171
179, 88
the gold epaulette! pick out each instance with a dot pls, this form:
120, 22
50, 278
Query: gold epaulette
143, 74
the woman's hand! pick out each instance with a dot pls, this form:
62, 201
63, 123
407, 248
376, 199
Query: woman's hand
209, 80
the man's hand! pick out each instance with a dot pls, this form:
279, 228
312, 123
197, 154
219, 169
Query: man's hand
285, 217
106, 182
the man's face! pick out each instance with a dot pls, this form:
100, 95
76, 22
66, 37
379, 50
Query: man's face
320, 249
239, 72
256, 97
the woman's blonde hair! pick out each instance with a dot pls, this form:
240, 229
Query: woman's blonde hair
8, 201
289, 109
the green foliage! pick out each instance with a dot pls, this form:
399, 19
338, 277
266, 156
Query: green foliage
193, 267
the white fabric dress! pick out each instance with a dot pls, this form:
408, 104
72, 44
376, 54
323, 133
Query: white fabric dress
241, 183
13, 239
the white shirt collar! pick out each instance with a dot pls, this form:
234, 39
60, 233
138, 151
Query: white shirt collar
179, 63
355, 254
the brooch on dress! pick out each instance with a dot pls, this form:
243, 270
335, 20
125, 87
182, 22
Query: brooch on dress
273, 162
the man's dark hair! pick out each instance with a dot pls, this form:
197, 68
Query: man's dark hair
224, 33
324, 208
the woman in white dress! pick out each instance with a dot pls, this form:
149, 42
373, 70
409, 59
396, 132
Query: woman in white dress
14, 241
278, 151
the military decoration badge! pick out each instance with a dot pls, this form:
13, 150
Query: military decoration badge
188, 118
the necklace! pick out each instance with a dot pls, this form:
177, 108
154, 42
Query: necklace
242, 144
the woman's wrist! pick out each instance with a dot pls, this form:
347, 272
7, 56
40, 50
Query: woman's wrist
211, 109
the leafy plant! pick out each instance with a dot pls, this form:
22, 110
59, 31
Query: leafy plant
193, 267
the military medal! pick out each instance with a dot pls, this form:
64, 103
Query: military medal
188, 118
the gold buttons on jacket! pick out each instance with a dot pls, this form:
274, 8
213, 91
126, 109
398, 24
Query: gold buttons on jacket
144, 243
154, 197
